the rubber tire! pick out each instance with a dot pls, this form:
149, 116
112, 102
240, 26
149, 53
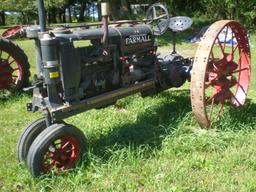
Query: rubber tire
18, 54
45, 138
27, 137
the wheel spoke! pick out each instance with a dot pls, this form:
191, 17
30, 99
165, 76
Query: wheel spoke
220, 46
158, 27
242, 88
160, 17
225, 39
11, 62
65, 145
235, 48
232, 46
235, 98
150, 22
240, 70
216, 63
219, 112
69, 150
211, 109
154, 13
207, 85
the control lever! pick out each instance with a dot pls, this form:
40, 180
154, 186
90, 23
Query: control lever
36, 85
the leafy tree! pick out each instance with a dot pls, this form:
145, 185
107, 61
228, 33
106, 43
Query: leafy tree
56, 10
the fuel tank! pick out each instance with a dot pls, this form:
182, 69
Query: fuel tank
129, 39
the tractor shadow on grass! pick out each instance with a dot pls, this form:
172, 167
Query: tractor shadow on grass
158, 122
150, 129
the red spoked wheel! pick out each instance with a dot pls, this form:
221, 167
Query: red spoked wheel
12, 32
61, 154
58, 148
14, 66
221, 71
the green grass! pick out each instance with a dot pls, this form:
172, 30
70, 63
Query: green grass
150, 144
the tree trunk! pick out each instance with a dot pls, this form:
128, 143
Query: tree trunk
2, 18
69, 15
27, 18
49, 16
53, 15
82, 10
64, 16
23, 18
127, 6
99, 12
115, 7
236, 11
75, 14
93, 13
60, 16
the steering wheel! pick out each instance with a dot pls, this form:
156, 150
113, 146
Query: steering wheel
158, 17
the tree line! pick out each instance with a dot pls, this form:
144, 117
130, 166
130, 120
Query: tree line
62, 11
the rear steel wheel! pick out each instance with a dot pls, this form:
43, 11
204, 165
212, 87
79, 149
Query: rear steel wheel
221, 71
14, 66
59, 147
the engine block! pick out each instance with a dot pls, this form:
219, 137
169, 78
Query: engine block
74, 74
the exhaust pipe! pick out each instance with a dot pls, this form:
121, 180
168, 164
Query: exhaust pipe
41, 14
105, 14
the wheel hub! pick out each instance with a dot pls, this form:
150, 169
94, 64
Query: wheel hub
221, 78
62, 155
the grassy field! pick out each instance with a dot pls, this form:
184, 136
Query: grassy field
151, 144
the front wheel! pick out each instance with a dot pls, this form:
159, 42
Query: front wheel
59, 147
28, 136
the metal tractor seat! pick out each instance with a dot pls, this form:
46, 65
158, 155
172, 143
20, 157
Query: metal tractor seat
180, 23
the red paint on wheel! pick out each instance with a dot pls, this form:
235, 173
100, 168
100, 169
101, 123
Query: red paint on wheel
62, 154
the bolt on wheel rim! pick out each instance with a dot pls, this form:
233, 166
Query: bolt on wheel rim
221, 71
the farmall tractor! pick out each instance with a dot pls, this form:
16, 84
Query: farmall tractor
122, 60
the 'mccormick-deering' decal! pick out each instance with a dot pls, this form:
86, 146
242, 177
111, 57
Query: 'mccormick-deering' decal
135, 39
